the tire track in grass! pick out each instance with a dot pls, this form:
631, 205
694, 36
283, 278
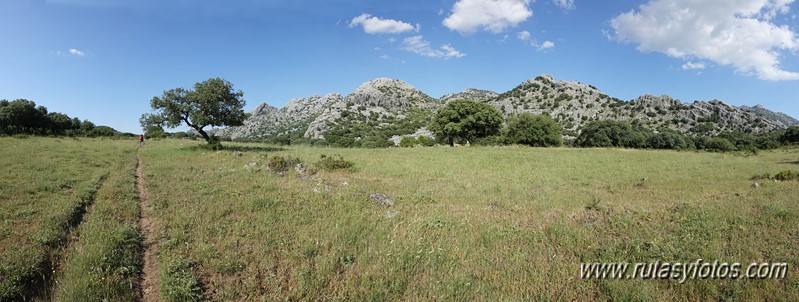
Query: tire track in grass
41, 287
149, 284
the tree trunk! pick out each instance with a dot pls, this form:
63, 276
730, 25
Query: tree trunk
451, 142
205, 135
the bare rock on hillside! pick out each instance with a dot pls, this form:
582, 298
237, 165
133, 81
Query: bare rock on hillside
470, 94
420, 132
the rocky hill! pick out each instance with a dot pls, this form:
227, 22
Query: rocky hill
761, 111
374, 101
470, 94
266, 121
383, 107
573, 104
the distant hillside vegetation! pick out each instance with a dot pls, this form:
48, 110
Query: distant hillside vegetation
385, 108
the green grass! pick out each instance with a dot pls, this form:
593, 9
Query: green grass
104, 263
46, 186
477, 223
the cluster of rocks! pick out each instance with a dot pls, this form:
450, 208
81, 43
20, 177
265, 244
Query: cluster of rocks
419, 133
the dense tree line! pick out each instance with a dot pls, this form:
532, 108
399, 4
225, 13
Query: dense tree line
24, 117
622, 134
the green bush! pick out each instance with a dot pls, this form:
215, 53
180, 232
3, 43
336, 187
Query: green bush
791, 135
533, 130
761, 176
408, 142
787, 175
608, 133
666, 140
426, 141
320, 143
331, 163
281, 164
374, 142
717, 144
782, 176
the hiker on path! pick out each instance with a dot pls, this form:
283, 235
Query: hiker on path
141, 139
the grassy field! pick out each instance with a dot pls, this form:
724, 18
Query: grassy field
476, 223
59, 199
473, 223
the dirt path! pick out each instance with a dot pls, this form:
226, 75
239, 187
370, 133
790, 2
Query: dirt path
149, 283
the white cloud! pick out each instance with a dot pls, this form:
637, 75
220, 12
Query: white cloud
565, 4
737, 33
693, 65
418, 45
524, 35
387, 57
77, 53
72, 52
375, 25
527, 37
490, 15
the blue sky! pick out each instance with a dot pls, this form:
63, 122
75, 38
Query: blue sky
103, 60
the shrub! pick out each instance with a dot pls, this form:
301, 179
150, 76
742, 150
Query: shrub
666, 140
610, 133
281, 164
761, 176
331, 163
408, 142
374, 142
320, 143
787, 175
718, 144
791, 135
426, 141
533, 130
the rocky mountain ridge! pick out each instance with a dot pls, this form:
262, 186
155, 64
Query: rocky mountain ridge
382, 102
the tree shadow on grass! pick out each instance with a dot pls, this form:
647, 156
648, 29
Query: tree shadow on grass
790, 162
235, 148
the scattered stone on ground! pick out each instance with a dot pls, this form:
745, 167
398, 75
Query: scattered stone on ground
755, 185
252, 166
321, 187
391, 214
381, 199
